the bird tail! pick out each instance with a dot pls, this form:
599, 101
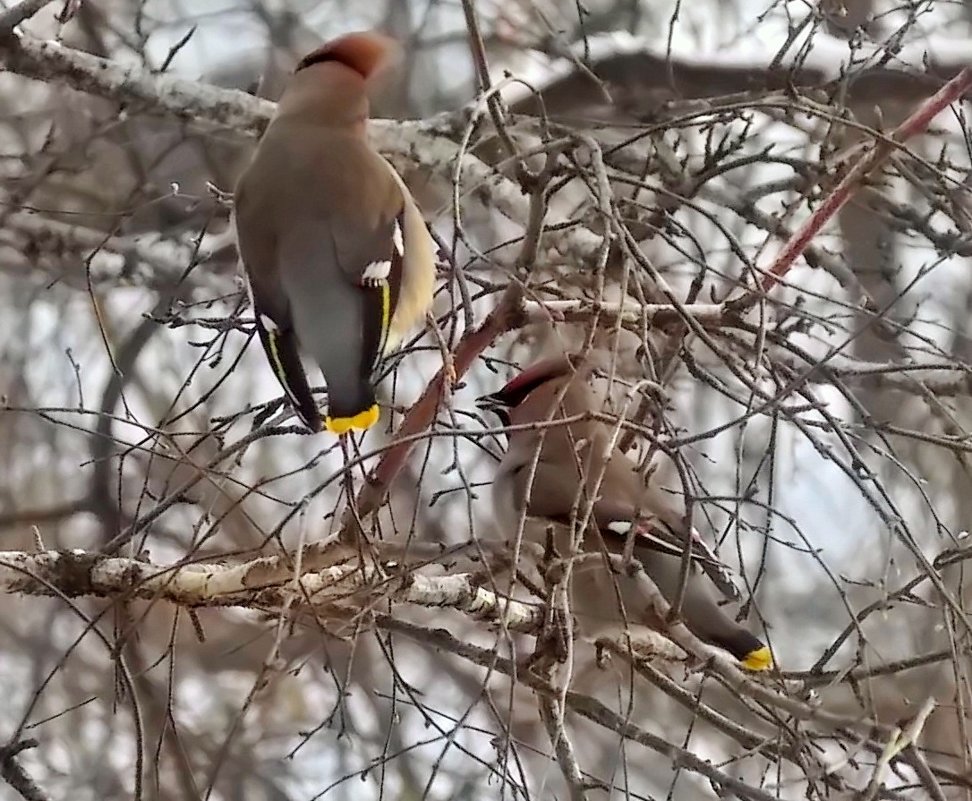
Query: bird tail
746, 647
351, 408
329, 317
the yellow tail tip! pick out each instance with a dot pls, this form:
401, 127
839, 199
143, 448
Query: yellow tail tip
760, 659
362, 420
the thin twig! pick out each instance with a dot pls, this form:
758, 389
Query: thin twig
880, 152
21, 12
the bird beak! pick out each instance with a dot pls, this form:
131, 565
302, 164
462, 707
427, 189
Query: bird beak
489, 403
493, 403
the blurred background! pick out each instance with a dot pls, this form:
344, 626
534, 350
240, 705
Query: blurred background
825, 440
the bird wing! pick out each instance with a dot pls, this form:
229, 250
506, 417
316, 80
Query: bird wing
555, 495
655, 534
625, 502
271, 311
280, 344
371, 257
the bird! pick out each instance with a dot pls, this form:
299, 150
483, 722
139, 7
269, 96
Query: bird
338, 259
579, 463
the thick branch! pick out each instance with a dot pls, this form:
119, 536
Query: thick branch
709, 315
13, 773
32, 241
425, 144
649, 83
19, 13
132, 85
255, 584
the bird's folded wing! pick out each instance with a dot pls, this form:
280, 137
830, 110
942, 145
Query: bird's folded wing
280, 344
371, 258
653, 533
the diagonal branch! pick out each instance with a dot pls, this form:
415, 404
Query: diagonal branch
21, 12
505, 317
882, 149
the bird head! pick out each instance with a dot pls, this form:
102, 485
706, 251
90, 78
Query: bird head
368, 53
332, 84
497, 404
506, 400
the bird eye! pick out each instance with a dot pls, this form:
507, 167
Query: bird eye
502, 414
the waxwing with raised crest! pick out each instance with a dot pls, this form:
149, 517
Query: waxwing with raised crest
339, 261
552, 470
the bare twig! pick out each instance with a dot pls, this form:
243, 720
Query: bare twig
879, 153
505, 317
12, 772
21, 12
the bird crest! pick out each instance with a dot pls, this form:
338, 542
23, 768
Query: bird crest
366, 52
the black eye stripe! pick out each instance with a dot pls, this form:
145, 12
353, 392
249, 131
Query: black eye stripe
515, 395
317, 57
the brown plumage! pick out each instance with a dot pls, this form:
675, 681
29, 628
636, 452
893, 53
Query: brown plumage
337, 255
578, 462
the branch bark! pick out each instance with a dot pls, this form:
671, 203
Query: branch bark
425, 144
260, 583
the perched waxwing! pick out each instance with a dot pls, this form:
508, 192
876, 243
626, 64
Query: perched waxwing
339, 261
577, 462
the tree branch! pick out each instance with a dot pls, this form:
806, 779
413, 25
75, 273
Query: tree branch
18, 778
21, 12
872, 159
260, 583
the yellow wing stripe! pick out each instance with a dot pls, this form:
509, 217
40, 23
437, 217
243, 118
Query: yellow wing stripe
385, 318
276, 363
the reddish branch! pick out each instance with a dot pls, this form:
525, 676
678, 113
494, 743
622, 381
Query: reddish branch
953, 91
507, 316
